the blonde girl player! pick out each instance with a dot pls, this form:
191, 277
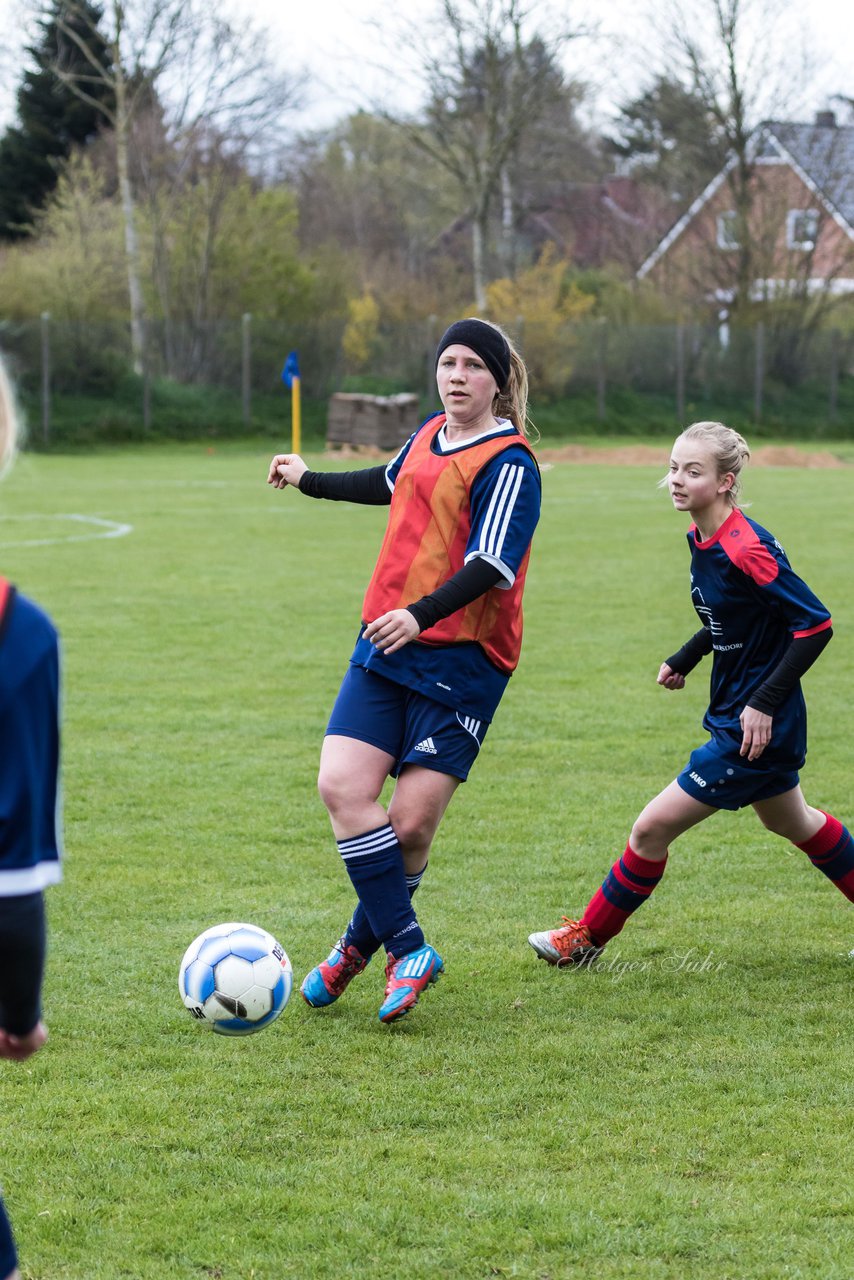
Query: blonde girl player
764, 629
440, 637
29, 836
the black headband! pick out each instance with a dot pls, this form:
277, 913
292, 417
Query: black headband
486, 341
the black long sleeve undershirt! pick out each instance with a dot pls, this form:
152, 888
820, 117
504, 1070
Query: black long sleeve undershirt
22, 952
693, 651
368, 486
473, 580
798, 658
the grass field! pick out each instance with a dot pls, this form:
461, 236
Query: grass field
681, 1113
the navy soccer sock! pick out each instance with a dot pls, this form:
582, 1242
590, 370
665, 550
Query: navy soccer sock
375, 866
359, 933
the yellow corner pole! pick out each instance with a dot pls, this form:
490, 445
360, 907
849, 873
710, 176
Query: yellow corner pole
295, 416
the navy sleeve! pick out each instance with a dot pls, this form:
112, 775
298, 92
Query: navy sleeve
22, 953
765, 561
505, 508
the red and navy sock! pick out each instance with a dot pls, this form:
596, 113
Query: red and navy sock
626, 887
374, 864
832, 850
359, 933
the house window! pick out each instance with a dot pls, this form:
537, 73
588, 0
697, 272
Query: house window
727, 230
801, 228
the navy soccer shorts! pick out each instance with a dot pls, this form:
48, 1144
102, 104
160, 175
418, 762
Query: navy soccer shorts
410, 727
8, 1256
717, 775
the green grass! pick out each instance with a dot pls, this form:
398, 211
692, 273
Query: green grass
683, 1111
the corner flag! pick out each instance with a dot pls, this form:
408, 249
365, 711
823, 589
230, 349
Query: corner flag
291, 369
290, 377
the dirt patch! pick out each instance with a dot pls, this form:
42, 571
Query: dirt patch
640, 455
786, 456
650, 456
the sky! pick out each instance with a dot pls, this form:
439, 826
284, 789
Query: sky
341, 42
344, 46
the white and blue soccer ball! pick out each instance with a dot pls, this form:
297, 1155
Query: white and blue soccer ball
235, 979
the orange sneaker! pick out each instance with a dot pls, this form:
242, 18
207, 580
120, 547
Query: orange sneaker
570, 943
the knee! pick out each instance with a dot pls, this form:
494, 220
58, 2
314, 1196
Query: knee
413, 831
335, 789
648, 834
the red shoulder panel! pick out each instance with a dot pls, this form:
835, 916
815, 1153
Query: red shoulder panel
741, 543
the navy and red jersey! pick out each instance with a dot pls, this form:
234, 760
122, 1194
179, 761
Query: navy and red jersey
753, 604
30, 838
469, 661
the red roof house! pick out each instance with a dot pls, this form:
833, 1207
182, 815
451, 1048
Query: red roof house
797, 234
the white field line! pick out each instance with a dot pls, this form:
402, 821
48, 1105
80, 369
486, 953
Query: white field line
104, 529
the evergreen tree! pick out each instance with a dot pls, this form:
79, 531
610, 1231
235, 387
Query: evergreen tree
51, 118
669, 136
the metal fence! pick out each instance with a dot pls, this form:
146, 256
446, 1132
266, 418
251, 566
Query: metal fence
683, 365
705, 363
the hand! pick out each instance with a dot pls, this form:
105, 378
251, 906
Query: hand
285, 469
756, 726
669, 678
19, 1048
392, 630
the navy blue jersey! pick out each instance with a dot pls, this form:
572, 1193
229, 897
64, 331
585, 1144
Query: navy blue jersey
753, 603
30, 841
505, 507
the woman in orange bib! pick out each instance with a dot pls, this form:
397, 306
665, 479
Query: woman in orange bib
440, 637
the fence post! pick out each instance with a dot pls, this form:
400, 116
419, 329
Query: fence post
680, 374
759, 372
146, 380
834, 375
246, 367
601, 368
431, 358
45, 346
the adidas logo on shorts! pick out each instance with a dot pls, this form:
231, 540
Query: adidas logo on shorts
427, 747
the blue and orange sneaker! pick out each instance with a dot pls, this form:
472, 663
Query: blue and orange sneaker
332, 976
406, 978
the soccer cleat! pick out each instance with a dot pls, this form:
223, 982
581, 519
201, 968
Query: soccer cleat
406, 978
570, 943
332, 976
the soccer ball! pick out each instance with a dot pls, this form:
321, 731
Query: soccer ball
235, 979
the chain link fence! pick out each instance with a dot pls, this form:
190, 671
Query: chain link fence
691, 369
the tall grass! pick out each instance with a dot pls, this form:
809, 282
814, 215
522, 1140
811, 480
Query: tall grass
683, 1111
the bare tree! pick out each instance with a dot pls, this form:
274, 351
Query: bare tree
482, 93
734, 56
742, 61
205, 71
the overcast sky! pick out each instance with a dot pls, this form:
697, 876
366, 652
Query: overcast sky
341, 42
338, 41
